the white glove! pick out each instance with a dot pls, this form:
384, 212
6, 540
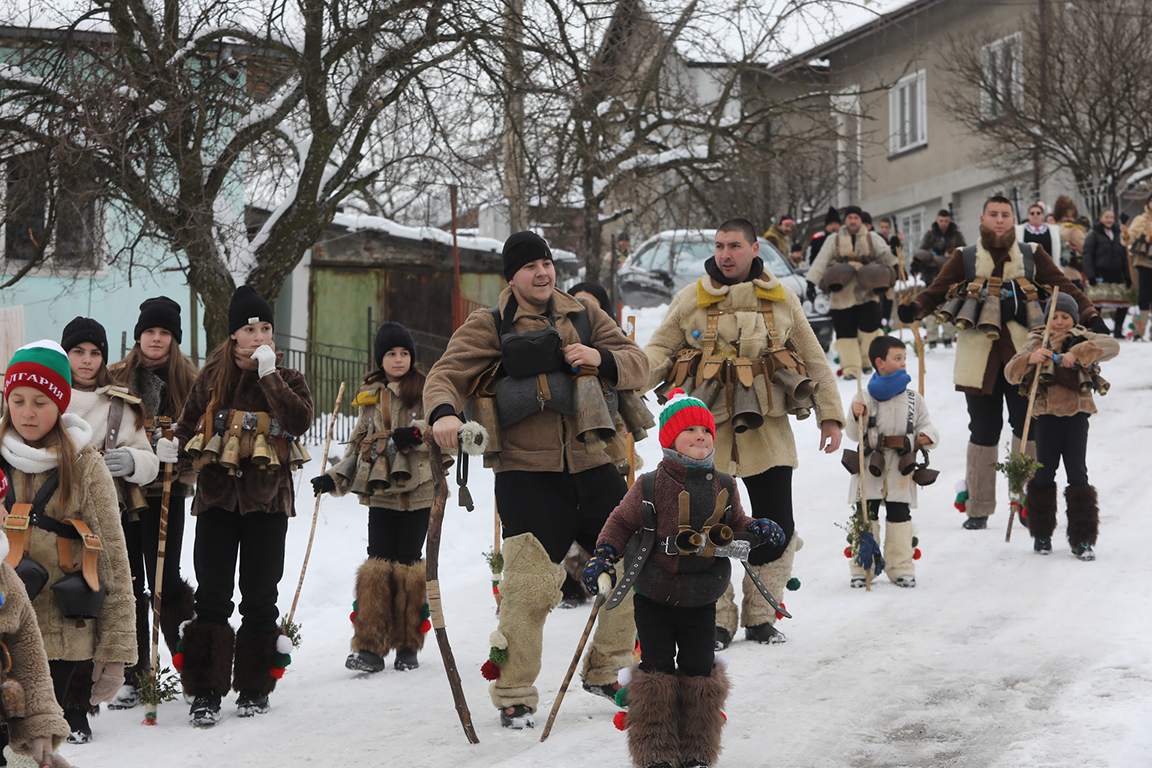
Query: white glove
120, 462
168, 451
107, 677
265, 359
41, 749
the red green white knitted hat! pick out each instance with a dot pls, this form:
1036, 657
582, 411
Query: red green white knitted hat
42, 365
3, 492
680, 412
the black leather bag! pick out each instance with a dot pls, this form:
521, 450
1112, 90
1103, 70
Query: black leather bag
527, 354
76, 599
34, 576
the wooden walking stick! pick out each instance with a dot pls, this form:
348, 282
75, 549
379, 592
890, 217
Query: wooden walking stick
631, 442
432, 569
906, 299
1032, 397
605, 585
865, 522
316, 510
151, 707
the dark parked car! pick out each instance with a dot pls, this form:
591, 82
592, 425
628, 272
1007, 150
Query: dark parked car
667, 262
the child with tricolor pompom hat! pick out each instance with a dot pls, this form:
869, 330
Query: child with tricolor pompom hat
676, 692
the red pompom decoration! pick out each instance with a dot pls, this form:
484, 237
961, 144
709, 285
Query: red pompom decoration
276, 672
352, 617
848, 552
916, 554
178, 661
425, 626
148, 721
620, 720
490, 670
723, 715
839, 371
495, 589
780, 615
961, 506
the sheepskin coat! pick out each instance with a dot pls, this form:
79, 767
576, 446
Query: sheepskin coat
867, 245
742, 326
93, 407
891, 419
1141, 226
1062, 397
112, 637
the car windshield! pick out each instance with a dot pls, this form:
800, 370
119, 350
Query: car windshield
693, 251
651, 256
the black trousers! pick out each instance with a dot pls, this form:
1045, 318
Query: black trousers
1061, 437
986, 412
862, 318
1144, 284
559, 507
675, 637
398, 535
258, 539
770, 496
143, 538
894, 511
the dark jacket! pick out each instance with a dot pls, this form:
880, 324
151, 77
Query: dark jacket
283, 394
1103, 255
942, 243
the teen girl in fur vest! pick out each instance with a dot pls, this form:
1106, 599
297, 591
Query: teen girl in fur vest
242, 505
117, 423
386, 466
161, 375
41, 440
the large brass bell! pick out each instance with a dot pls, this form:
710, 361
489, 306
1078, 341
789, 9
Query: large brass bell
346, 469
989, 321
720, 535
1047, 372
363, 473
379, 479
297, 455
746, 413
688, 541
484, 414
707, 391
966, 318
212, 451
1036, 317
1100, 384
876, 277
230, 457
635, 415
876, 463
274, 456
261, 456
594, 425
922, 475
12, 696
837, 276
195, 445
947, 312
400, 472
794, 385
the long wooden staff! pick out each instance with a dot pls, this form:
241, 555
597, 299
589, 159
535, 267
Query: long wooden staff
605, 584
150, 709
915, 327
432, 568
1032, 395
316, 510
867, 524
631, 443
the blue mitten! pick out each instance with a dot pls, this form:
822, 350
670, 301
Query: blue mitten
869, 557
767, 531
601, 562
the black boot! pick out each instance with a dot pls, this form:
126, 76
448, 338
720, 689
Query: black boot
205, 711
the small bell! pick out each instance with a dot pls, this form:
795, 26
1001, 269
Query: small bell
261, 456
230, 458
465, 498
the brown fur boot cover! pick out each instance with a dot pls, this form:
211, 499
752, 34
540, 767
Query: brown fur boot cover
255, 657
175, 609
653, 718
1041, 514
79, 691
372, 627
1083, 514
701, 718
207, 651
410, 590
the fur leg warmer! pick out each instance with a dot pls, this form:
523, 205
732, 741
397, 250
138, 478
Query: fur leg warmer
372, 628
850, 359
898, 550
207, 651
143, 643
612, 644
654, 715
410, 595
865, 340
79, 693
981, 480
1041, 505
1083, 514
255, 657
701, 716
727, 615
175, 608
755, 610
531, 589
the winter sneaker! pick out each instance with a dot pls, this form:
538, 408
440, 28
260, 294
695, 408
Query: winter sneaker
765, 633
694, 763
1042, 546
251, 704
205, 711
857, 582
848, 377
128, 698
607, 690
79, 730
1082, 551
723, 639
364, 661
405, 660
932, 345
660, 764
948, 344
517, 717
906, 581
976, 523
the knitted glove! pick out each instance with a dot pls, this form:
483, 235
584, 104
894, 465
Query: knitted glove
168, 451
41, 749
1097, 325
107, 677
406, 437
601, 562
907, 312
120, 462
265, 360
767, 531
811, 292
323, 484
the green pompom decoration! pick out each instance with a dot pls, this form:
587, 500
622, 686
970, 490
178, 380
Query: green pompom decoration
915, 541
793, 584
962, 497
498, 656
283, 660
354, 607
180, 645
622, 697
425, 612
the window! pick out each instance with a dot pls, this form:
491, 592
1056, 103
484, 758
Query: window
912, 225
27, 213
1002, 86
908, 113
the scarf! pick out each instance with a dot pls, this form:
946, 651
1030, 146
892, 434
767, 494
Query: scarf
714, 272
673, 455
887, 387
153, 365
31, 460
245, 361
1036, 230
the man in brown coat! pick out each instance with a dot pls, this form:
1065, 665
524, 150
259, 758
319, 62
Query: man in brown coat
980, 360
549, 489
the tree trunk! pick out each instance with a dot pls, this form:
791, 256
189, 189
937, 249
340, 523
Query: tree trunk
592, 229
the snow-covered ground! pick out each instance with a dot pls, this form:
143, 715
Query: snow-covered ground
999, 657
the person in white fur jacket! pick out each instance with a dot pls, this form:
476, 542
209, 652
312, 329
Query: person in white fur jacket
117, 422
885, 405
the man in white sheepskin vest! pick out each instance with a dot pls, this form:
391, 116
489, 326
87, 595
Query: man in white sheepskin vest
725, 315
1024, 275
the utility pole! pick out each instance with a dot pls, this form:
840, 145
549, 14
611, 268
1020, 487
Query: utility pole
1042, 21
513, 146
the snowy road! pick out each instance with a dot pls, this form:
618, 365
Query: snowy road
999, 658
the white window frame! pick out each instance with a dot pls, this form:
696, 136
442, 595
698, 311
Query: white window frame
849, 117
991, 60
908, 113
912, 236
